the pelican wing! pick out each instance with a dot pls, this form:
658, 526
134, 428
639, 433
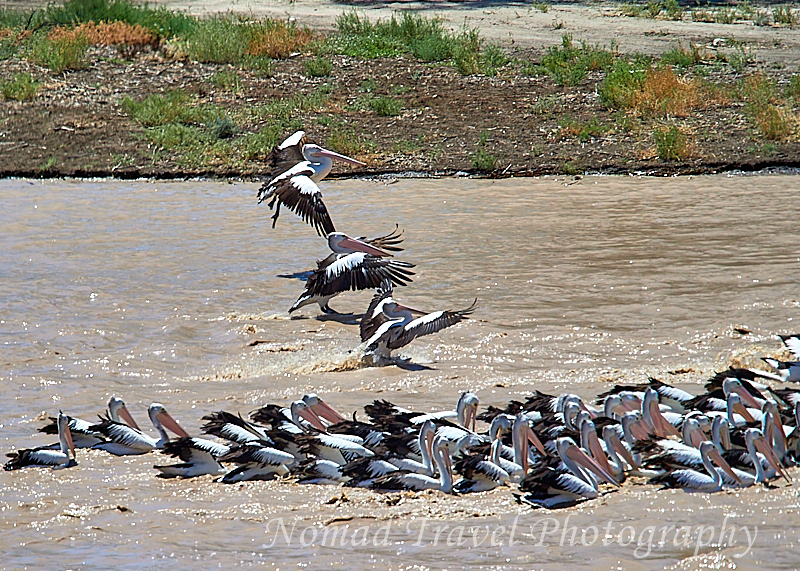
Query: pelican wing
233, 427
357, 271
120, 433
792, 342
35, 457
374, 316
302, 196
427, 324
190, 449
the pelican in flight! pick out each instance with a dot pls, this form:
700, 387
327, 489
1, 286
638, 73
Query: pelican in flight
388, 325
354, 265
296, 186
45, 456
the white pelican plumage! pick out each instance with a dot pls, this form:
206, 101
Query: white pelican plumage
293, 183
404, 480
257, 461
550, 487
198, 457
82, 434
354, 265
387, 325
45, 456
757, 443
124, 440
694, 481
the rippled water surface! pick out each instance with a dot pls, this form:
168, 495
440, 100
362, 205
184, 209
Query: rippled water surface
158, 291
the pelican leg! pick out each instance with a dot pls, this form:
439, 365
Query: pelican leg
330, 311
277, 212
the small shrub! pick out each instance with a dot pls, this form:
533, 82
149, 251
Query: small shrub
318, 67
108, 34
783, 14
344, 140
61, 54
218, 40
654, 8
569, 64
158, 109
621, 82
543, 7
492, 58
673, 9
484, 161
681, 57
227, 80
264, 65
386, 106
671, 144
21, 87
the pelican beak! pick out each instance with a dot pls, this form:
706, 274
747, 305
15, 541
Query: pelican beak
639, 431
597, 452
323, 410
661, 426
720, 461
125, 415
747, 398
361, 246
580, 457
337, 157
311, 417
742, 411
533, 439
625, 453
70, 443
171, 424
411, 309
762, 446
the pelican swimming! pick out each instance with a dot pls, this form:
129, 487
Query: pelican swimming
296, 187
45, 456
405, 480
551, 487
354, 265
124, 440
694, 481
387, 325
198, 457
82, 434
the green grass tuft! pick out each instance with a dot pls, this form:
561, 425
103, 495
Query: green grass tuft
569, 64
318, 67
21, 87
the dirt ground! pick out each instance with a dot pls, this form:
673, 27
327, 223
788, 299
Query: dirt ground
76, 127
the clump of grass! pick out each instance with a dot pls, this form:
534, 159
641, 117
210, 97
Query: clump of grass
264, 65
632, 10
482, 159
653, 8
543, 7
568, 64
344, 140
157, 109
276, 39
783, 14
673, 9
664, 93
622, 82
585, 132
227, 80
767, 109
386, 106
681, 57
108, 34
21, 87
318, 67
671, 144
60, 54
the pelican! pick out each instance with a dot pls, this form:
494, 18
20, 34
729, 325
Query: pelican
296, 187
756, 443
354, 265
322, 409
198, 457
789, 371
124, 440
82, 435
694, 481
387, 325
481, 475
256, 462
46, 457
404, 480
551, 487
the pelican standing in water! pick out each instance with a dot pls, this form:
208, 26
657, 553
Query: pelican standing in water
388, 325
45, 456
296, 186
354, 265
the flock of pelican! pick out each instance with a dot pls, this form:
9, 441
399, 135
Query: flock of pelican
557, 449
297, 165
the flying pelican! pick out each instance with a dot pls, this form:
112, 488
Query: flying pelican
124, 440
354, 265
387, 325
296, 187
45, 456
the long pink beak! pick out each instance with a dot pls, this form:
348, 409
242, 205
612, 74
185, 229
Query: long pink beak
360, 246
580, 457
533, 439
660, 424
747, 398
720, 461
762, 446
311, 417
171, 424
70, 443
323, 410
411, 309
337, 157
125, 415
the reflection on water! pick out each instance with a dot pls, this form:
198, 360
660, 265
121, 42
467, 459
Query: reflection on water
165, 291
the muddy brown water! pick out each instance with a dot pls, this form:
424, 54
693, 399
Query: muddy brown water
154, 291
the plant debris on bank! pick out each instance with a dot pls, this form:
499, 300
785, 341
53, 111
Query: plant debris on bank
114, 88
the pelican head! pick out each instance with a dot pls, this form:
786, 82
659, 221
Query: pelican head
316, 154
322, 409
161, 419
118, 411
341, 243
